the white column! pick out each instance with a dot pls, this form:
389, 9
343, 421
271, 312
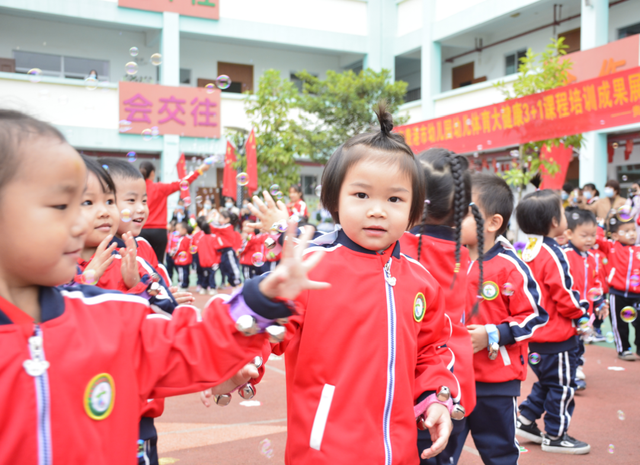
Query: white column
382, 25
169, 160
594, 32
431, 62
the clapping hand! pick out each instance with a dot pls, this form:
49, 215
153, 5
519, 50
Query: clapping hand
267, 212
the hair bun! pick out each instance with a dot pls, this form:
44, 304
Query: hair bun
384, 118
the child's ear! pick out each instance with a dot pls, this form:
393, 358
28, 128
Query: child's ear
554, 222
568, 234
494, 223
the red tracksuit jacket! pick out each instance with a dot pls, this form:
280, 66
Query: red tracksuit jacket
157, 193
182, 255
363, 355
298, 208
251, 245
146, 252
226, 235
195, 238
511, 301
438, 257
623, 266
106, 357
550, 268
586, 274
207, 253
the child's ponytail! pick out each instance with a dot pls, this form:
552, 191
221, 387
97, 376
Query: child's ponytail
460, 205
477, 215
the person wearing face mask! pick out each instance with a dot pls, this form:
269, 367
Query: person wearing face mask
206, 208
633, 201
566, 193
608, 205
590, 195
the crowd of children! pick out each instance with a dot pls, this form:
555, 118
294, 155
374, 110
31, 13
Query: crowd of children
363, 305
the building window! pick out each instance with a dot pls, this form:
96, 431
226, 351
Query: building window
241, 77
309, 184
628, 31
60, 66
185, 76
297, 81
512, 61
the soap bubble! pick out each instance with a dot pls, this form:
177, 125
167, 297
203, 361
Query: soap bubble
210, 88
131, 68
91, 83
193, 249
124, 125
609, 337
156, 59
155, 132
281, 226
615, 145
89, 277
35, 75
223, 81
514, 153
274, 189
279, 195
611, 449
634, 280
624, 213
594, 294
133, 51
583, 322
242, 179
147, 135
131, 157
624, 177
575, 216
507, 289
184, 185
318, 190
257, 259
182, 256
534, 358
106, 167
628, 314
621, 415
125, 215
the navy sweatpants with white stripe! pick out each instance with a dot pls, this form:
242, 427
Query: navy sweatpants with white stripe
229, 266
553, 392
493, 427
620, 327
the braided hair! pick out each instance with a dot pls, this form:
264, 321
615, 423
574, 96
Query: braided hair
477, 215
448, 193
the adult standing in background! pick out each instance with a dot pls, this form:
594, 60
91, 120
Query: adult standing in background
608, 205
155, 229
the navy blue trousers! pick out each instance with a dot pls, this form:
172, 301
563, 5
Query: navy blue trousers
553, 392
199, 272
183, 275
492, 425
229, 266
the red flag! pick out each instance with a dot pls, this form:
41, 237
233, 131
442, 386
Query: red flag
229, 186
182, 173
628, 149
252, 163
562, 156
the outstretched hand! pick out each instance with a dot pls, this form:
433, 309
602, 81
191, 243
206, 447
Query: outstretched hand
101, 259
267, 212
290, 276
129, 266
247, 372
439, 424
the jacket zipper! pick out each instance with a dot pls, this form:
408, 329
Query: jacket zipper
37, 368
391, 362
586, 274
626, 291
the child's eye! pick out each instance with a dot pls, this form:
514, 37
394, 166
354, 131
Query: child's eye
361, 195
86, 203
110, 202
395, 199
60, 207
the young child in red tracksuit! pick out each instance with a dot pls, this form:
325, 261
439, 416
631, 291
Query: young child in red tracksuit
363, 364
182, 255
78, 361
208, 257
250, 253
581, 235
553, 349
624, 283
500, 324
602, 271
297, 206
227, 240
436, 244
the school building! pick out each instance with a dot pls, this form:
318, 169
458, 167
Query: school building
155, 58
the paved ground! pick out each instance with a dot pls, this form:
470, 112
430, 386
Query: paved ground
191, 434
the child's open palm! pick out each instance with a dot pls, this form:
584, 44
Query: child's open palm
129, 266
101, 260
290, 276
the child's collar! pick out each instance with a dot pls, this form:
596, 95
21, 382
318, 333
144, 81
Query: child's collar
343, 239
438, 231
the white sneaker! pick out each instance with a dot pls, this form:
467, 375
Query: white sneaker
580, 374
212, 292
202, 291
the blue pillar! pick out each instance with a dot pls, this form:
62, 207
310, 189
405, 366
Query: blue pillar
594, 32
431, 61
382, 25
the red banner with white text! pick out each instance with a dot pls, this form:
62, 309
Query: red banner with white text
602, 102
